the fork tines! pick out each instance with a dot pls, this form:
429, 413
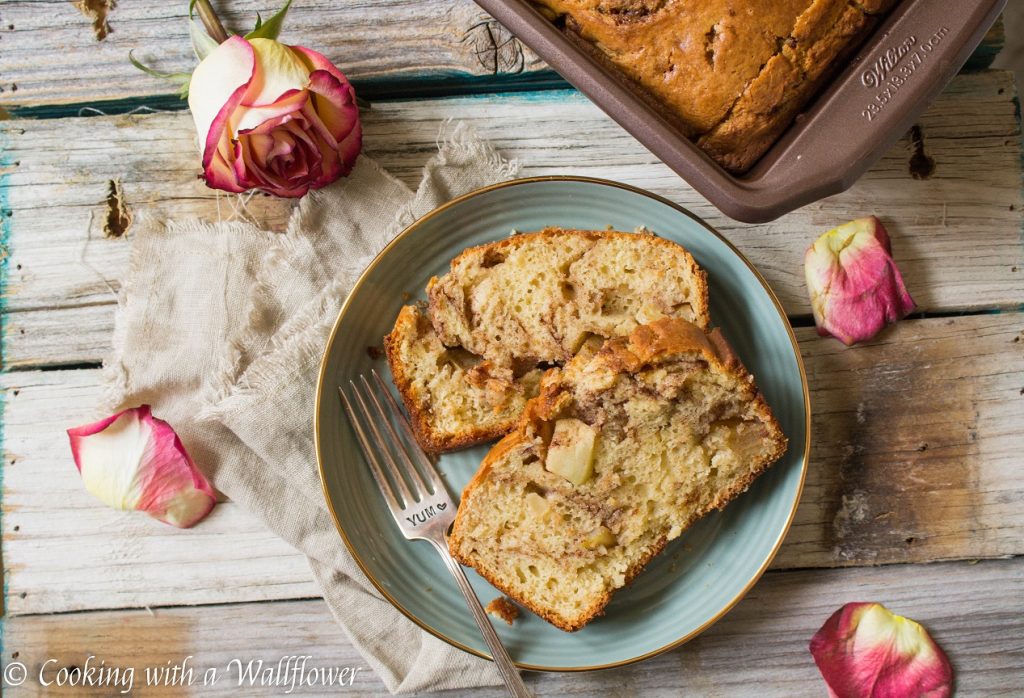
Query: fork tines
388, 452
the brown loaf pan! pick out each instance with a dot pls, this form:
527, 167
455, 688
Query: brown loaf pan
865, 109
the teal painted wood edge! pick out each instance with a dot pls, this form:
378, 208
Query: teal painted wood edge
424, 86
989, 48
5, 229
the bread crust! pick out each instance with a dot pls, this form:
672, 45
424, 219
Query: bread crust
772, 100
646, 347
435, 441
429, 439
434, 286
729, 75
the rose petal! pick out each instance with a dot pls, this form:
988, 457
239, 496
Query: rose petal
337, 108
216, 82
296, 164
865, 651
316, 125
279, 70
318, 61
339, 158
854, 284
219, 144
335, 102
248, 119
330, 168
348, 150
220, 175
132, 460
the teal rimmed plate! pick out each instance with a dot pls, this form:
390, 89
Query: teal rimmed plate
702, 574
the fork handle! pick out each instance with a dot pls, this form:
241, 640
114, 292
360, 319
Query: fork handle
509, 673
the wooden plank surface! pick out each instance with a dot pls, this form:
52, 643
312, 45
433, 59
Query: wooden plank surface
32, 336
917, 436
955, 235
916, 445
63, 550
915, 458
49, 53
761, 645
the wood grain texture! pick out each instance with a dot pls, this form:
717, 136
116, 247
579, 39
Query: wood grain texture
971, 610
915, 458
917, 435
956, 235
915, 445
49, 53
33, 336
63, 550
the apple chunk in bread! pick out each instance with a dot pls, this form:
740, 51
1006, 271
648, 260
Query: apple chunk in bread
571, 451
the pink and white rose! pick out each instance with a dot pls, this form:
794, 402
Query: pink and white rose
277, 118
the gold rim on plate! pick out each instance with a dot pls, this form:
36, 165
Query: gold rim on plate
586, 180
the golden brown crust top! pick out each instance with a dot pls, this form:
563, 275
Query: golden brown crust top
734, 73
695, 56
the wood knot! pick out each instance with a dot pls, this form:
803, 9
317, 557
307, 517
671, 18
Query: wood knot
496, 49
119, 216
922, 166
96, 10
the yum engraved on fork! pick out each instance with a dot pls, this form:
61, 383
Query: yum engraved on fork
426, 514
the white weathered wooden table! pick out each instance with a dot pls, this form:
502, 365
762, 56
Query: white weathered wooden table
915, 496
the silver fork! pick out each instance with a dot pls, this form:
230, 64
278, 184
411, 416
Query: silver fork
416, 497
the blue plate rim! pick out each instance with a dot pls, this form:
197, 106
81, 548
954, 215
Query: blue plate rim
411, 229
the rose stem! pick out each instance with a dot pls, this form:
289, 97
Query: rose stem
212, 23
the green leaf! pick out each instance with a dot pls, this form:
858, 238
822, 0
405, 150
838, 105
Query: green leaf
182, 80
191, 8
270, 29
202, 43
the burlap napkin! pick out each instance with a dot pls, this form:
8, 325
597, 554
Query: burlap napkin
221, 327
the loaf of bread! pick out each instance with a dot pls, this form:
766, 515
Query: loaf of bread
620, 453
467, 363
730, 74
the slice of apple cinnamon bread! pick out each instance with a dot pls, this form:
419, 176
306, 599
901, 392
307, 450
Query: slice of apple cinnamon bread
620, 453
507, 311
